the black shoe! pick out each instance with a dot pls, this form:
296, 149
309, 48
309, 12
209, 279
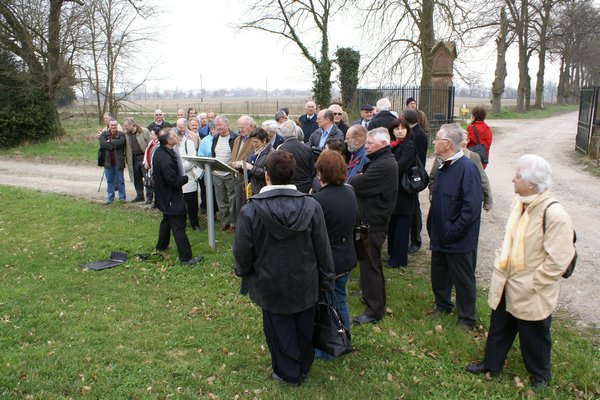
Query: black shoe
465, 326
225, 228
197, 228
149, 201
538, 385
108, 203
413, 248
138, 200
477, 368
364, 319
193, 261
279, 379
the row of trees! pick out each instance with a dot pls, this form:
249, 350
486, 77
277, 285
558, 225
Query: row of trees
61, 44
403, 33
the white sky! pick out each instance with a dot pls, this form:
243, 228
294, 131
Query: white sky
199, 37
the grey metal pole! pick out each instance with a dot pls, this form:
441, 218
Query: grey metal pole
101, 179
210, 207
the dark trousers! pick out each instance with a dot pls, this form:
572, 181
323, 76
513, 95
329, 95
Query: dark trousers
290, 341
454, 269
202, 189
398, 240
175, 224
138, 175
372, 281
191, 202
416, 223
534, 337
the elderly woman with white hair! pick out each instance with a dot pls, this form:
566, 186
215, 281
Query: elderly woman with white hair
536, 251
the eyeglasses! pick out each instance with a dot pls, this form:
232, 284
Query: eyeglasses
337, 113
157, 115
437, 139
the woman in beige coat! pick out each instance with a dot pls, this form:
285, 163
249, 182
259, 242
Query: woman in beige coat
526, 274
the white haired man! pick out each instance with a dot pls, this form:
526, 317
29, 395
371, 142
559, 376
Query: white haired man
158, 123
271, 127
136, 141
308, 121
223, 181
384, 116
376, 189
305, 163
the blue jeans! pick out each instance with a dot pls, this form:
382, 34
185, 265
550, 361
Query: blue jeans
111, 173
340, 298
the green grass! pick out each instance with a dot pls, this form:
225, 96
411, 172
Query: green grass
549, 111
157, 330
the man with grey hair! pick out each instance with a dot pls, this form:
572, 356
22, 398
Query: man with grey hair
305, 163
376, 190
224, 182
136, 141
182, 126
308, 121
453, 226
384, 116
242, 147
271, 127
158, 123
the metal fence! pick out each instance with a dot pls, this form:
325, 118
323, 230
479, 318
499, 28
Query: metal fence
436, 102
588, 111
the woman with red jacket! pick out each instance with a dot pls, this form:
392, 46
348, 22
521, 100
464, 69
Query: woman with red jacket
478, 115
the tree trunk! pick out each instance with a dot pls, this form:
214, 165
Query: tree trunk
523, 43
426, 41
500, 74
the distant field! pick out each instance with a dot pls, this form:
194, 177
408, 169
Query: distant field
255, 106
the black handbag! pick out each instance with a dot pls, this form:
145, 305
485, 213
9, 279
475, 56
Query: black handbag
330, 335
101, 157
479, 148
361, 241
415, 179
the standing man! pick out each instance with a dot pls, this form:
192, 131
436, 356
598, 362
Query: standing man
183, 127
453, 226
338, 112
356, 137
242, 146
376, 190
384, 116
224, 182
308, 121
210, 117
169, 197
112, 142
366, 115
159, 122
305, 163
411, 104
136, 139
326, 130
418, 136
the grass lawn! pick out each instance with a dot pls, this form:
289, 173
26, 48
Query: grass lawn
157, 330
549, 111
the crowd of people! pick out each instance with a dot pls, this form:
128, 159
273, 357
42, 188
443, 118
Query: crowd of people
300, 188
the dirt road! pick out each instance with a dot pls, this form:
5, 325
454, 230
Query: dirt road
552, 138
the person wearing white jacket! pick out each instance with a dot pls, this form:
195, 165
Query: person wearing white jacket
190, 189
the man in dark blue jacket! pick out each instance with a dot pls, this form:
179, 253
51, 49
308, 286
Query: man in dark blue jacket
169, 197
453, 226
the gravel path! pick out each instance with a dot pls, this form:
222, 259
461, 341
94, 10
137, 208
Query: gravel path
552, 138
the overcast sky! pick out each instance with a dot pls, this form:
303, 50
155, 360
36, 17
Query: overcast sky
198, 38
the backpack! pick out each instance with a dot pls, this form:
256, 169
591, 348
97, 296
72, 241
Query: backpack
571, 266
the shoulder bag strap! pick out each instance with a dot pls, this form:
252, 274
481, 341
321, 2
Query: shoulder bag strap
544, 219
475, 132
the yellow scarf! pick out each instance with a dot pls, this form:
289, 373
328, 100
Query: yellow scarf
513, 246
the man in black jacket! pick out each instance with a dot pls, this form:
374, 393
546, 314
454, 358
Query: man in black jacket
384, 116
308, 121
169, 197
275, 223
376, 190
158, 123
305, 163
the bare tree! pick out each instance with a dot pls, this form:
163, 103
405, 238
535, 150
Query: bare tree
576, 41
41, 33
114, 35
541, 26
520, 14
294, 20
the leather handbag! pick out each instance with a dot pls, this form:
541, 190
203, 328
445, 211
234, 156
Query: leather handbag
330, 335
414, 179
479, 148
361, 241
